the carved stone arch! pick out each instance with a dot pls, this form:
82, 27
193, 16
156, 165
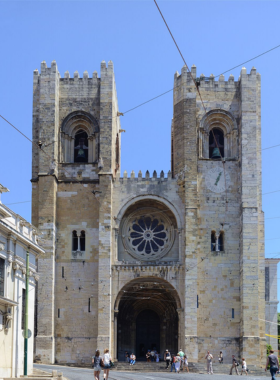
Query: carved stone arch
74, 122
225, 121
83, 118
145, 295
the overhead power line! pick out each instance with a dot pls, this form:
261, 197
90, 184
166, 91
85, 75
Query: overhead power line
216, 76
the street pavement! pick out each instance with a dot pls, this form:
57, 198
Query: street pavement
77, 373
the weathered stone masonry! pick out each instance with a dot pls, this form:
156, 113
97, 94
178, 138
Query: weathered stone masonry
148, 236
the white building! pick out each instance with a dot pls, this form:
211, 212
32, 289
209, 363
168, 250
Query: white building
16, 237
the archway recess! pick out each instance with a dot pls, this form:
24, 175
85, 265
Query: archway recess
147, 317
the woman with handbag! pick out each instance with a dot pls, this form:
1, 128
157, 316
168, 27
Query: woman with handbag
96, 363
107, 360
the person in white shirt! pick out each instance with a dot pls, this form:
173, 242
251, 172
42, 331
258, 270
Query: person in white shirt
132, 359
106, 362
244, 367
209, 358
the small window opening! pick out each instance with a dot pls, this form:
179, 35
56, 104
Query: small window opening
83, 241
58, 313
74, 241
216, 144
81, 147
197, 301
117, 152
62, 272
22, 308
221, 242
89, 305
2, 270
213, 241
232, 313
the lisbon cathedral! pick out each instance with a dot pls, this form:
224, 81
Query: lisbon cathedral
150, 260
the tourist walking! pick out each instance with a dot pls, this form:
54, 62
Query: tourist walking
209, 358
96, 361
235, 364
153, 355
181, 354
272, 360
167, 358
148, 356
106, 363
132, 359
244, 367
221, 358
186, 364
177, 363
172, 362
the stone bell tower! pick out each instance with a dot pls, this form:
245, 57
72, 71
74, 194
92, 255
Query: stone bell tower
224, 288
71, 205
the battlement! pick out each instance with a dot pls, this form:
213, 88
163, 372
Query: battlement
76, 76
210, 82
146, 177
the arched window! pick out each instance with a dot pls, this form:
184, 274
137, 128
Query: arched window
221, 242
74, 241
213, 241
81, 147
83, 241
216, 143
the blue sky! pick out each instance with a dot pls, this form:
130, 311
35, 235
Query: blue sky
213, 35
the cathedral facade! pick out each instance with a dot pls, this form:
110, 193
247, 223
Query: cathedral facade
150, 260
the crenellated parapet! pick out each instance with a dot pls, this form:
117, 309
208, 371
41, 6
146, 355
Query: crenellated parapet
144, 178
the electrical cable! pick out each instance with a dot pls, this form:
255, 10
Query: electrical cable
197, 89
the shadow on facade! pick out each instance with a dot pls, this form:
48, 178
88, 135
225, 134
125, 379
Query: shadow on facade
147, 318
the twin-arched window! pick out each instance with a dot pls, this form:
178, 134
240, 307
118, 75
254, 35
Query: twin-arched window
78, 241
217, 241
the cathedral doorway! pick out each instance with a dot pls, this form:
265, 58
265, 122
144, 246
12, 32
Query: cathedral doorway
147, 318
147, 333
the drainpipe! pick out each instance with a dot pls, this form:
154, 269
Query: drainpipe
26, 315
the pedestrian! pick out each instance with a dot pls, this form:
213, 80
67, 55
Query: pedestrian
126, 356
178, 361
157, 357
172, 363
153, 355
148, 356
272, 360
167, 358
181, 354
132, 359
244, 367
235, 364
107, 363
209, 358
96, 361
221, 358
186, 364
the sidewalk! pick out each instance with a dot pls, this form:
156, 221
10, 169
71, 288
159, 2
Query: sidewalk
38, 374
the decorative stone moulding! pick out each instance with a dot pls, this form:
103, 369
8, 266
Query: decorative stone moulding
148, 236
16, 266
2, 246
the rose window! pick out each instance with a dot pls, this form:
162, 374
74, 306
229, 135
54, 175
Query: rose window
149, 235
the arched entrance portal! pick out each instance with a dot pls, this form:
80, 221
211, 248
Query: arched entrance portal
147, 317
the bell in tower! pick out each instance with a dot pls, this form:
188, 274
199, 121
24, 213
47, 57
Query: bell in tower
216, 144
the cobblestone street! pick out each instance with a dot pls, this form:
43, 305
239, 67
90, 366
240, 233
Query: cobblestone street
75, 373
